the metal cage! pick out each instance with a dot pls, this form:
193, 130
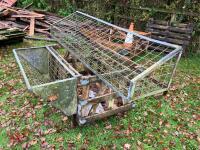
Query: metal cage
134, 66
48, 75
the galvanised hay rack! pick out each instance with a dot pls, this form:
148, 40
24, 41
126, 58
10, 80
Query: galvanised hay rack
134, 66
48, 75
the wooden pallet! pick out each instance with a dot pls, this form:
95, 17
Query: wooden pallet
175, 33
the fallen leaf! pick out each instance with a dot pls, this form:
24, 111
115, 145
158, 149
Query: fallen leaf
49, 131
37, 124
71, 145
145, 113
84, 147
1, 104
60, 139
198, 139
33, 142
52, 98
127, 146
38, 132
2, 112
109, 126
28, 115
38, 106
79, 136
26, 132
15, 138
25, 145
196, 117
160, 122
48, 123
168, 125
64, 119
165, 131
42, 139
44, 145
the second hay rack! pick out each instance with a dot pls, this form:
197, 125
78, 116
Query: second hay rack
143, 68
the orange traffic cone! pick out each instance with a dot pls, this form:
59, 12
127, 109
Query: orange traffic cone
129, 37
132, 26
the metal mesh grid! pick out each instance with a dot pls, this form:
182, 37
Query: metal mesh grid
117, 56
157, 80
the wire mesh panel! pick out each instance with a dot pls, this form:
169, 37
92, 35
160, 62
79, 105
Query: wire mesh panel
116, 55
46, 75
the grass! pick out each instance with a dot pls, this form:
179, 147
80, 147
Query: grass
169, 122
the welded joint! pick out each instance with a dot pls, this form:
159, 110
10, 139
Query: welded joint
131, 90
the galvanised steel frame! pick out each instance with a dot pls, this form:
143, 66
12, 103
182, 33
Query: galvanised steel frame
134, 70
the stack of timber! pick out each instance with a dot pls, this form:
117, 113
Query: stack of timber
29, 21
10, 35
175, 33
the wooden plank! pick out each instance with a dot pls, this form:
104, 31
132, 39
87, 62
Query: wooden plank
28, 16
159, 22
171, 40
169, 34
32, 26
37, 22
109, 113
170, 28
167, 23
85, 92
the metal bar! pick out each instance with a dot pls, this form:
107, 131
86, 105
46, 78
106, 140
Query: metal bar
22, 70
72, 73
39, 39
100, 98
174, 70
70, 67
54, 82
150, 94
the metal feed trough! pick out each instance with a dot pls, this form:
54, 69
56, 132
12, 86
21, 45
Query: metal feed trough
46, 74
134, 66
